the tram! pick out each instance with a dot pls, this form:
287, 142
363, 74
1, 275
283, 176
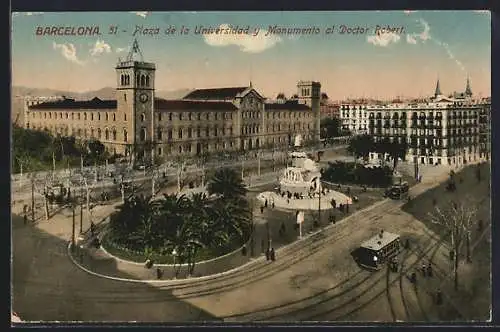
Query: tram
375, 252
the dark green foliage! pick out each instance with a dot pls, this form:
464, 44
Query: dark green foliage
188, 224
36, 150
227, 183
330, 127
340, 172
361, 146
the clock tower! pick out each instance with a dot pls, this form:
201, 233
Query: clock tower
135, 104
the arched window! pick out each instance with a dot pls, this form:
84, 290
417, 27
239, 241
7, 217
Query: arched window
85, 116
180, 149
137, 80
91, 132
125, 135
143, 134
147, 80
107, 117
128, 80
122, 80
99, 133
99, 116
124, 116
106, 134
114, 117
143, 117
79, 132
143, 80
114, 134
180, 132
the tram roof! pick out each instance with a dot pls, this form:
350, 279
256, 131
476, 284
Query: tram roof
379, 241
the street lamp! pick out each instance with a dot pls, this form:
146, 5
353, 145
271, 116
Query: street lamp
174, 254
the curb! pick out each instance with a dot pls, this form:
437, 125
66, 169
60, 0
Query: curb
174, 282
213, 276
165, 265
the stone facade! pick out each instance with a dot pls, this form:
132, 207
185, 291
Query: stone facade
205, 120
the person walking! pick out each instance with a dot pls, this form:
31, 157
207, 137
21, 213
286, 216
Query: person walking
424, 269
439, 297
429, 270
273, 254
262, 209
268, 254
159, 273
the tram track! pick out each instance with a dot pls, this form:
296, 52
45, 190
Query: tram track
430, 245
319, 299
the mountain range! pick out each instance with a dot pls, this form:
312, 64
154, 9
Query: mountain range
104, 93
19, 92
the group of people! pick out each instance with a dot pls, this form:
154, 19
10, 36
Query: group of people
266, 204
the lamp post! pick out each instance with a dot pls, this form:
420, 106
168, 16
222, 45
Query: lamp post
174, 254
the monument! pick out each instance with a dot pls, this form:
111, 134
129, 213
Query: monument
300, 185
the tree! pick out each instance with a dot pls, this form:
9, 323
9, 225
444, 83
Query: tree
457, 221
361, 146
396, 150
330, 127
227, 183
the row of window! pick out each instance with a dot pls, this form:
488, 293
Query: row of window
140, 80
79, 116
229, 115
395, 115
105, 134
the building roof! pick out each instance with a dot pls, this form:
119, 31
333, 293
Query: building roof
292, 105
379, 241
216, 93
67, 103
180, 104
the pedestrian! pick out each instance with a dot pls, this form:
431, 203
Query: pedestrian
413, 278
439, 297
92, 228
268, 254
429, 270
423, 270
244, 250
273, 254
159, 273
261, 209
272, 204
407, 244
25, 219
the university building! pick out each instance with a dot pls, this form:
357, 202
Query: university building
205, 120
444, 130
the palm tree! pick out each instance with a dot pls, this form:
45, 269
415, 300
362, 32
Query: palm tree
227, 183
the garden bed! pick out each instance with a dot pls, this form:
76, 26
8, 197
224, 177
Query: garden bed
124, 253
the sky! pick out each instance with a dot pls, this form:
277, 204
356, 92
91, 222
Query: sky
406, 60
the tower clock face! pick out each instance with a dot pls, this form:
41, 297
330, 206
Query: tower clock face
143, 97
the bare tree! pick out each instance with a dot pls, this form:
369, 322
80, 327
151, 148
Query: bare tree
457, 220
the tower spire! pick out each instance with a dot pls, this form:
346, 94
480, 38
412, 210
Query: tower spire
134, 50
438, 89
468, 90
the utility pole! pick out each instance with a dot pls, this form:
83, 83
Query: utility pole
258, 163
319, 201
81, 212
73, 232
33, 198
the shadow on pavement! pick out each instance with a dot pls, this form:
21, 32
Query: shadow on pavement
47, 286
